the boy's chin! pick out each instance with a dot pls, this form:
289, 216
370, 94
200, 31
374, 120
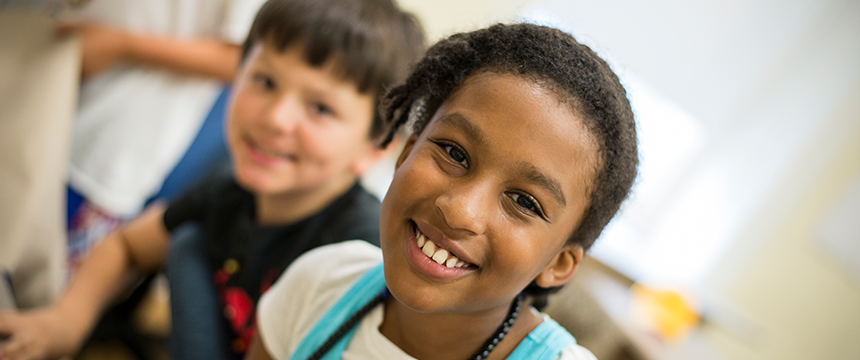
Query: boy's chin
258, 183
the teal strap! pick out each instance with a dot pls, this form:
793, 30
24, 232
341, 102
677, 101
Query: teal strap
545, 342
367, 287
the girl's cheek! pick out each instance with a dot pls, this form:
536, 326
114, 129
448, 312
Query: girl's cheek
429, 174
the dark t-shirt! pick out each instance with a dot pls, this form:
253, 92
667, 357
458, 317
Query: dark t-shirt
245, 258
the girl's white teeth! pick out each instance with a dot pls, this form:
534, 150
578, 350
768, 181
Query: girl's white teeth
421, 240
429, 248
440, 256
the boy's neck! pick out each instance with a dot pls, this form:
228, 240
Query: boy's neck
289, 207
429, 336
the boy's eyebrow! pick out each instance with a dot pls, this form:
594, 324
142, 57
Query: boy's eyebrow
460, 121
531, 172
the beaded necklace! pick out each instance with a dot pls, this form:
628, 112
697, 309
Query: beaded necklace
384, 294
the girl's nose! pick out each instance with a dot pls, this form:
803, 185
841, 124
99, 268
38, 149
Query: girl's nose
464, 208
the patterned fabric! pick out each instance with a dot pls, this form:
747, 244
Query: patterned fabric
88, 224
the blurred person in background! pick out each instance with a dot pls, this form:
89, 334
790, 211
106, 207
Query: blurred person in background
301, 128
151, 72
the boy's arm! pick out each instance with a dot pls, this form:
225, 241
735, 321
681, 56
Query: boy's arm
104, 45
257, 350
60, 329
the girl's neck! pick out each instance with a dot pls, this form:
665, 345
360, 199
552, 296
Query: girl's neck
291, 206
430, 336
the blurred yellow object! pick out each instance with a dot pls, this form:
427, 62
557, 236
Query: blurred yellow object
665, 311
231, 266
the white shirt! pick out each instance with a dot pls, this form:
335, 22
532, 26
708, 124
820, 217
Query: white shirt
135, 122
313, 283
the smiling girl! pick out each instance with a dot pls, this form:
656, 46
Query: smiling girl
523, 149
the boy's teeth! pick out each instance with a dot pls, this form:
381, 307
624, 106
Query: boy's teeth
267, 152
451, 262
429, 248
440, 256
421, 240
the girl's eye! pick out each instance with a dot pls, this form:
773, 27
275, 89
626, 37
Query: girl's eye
527, 202
263, 81
456, 154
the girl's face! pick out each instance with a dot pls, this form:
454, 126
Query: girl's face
499, 180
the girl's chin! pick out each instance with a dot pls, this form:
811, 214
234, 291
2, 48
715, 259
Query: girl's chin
417, 300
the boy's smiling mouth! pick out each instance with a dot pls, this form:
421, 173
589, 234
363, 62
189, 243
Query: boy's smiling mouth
258, 151
438, 254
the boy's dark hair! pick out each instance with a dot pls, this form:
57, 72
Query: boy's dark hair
549, 57
372, 42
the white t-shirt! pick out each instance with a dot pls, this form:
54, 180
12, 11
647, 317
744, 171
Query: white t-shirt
313, 283
135, 122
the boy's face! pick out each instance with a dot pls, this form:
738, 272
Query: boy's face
498, 178
293, 127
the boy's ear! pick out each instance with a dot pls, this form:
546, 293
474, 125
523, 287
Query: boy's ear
561, 268
407, 148
371, 154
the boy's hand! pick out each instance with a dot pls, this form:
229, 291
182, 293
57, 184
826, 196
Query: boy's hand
101, 46
37, 334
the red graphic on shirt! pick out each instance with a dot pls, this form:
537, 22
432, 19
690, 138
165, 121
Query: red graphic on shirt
239, 311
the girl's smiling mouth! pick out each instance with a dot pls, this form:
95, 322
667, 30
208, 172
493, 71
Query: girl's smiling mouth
432, 258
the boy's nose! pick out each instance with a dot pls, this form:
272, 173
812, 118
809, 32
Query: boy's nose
464, 208
285, 114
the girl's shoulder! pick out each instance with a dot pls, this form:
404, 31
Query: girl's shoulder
327, 271
335, 263
308, 288
573, 351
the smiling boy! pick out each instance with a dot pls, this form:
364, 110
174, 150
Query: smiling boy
301, 129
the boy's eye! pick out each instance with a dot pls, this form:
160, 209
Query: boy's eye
322, 109
527, 202
456, 154
263, 81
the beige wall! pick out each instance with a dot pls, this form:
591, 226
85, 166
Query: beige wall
800, 303
445, 17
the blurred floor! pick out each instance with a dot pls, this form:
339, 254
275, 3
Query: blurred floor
577, 310
140, 336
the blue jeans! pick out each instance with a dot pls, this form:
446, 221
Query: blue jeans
199, 330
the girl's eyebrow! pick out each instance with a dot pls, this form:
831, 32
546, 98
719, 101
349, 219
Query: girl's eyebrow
533, 174
461, 122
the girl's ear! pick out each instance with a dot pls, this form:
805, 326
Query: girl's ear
562, 267
407, 148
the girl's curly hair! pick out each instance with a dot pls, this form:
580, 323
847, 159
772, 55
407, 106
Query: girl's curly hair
553, 59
